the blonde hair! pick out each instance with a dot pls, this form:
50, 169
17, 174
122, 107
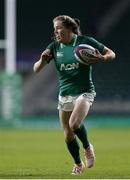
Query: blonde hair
69, 23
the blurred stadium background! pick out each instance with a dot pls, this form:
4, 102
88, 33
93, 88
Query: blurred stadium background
29, 100
107, 21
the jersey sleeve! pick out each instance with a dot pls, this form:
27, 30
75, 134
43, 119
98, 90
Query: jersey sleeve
50, 46
96, 44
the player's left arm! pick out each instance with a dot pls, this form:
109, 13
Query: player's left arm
103, 53
108, 54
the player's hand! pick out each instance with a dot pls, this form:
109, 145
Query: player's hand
97, 57
46, 55
44, 59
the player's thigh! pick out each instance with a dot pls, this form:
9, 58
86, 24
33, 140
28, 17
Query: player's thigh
64, 118
80, 111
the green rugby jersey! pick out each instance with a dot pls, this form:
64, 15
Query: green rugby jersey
74, 77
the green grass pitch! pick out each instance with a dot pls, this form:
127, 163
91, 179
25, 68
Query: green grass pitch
42, 154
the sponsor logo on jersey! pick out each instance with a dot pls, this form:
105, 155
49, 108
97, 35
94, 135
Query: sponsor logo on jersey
59, 54
68, 67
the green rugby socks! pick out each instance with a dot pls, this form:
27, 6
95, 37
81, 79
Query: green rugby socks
81, 132
73, 148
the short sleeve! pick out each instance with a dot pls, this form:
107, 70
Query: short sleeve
96, 44
51, 47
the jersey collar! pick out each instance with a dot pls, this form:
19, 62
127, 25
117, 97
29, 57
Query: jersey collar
73, 42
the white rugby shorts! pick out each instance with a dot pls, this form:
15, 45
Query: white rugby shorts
66, 103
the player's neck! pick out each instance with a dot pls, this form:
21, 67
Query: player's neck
69, 38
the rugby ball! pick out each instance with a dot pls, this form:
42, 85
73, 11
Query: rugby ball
83, 52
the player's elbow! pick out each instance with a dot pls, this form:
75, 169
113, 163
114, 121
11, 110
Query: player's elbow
113, 55
37, 66
36, 70
110, 55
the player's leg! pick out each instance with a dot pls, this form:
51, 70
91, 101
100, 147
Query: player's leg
71, 142
81, 108
79, 113
64, 121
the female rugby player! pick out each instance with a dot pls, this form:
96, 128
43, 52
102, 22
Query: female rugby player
76, 88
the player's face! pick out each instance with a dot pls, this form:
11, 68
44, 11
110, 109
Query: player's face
62, 34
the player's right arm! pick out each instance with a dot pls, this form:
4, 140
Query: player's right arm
44, 58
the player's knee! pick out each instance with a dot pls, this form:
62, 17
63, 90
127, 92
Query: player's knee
74, 125
69, 135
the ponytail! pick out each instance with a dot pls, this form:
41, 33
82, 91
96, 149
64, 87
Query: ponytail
77, 29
